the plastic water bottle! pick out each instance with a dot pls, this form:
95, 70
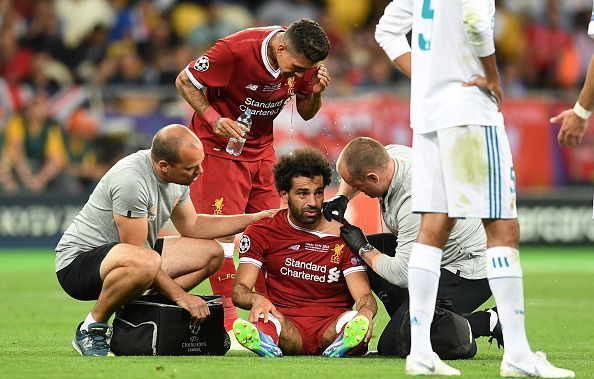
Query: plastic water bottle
235, 146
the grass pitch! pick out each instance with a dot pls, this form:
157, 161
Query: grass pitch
37, 322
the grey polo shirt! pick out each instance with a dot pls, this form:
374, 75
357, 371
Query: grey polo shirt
130, 188
464, 253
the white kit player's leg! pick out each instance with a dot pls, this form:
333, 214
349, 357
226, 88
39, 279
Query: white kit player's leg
504, 273
428, 196
423, 280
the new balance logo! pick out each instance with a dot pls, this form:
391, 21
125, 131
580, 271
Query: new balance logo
253, 87
294, 247
333, 275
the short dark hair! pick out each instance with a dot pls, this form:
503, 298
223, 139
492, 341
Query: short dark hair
307, 162
362, 155
308, 38
166, 149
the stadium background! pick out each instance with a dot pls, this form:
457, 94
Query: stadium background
101, 73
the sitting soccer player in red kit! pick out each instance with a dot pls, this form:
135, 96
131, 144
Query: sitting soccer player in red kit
312, 278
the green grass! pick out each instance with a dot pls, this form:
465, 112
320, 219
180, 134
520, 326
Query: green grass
37, 321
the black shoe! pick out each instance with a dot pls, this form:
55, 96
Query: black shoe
496, 333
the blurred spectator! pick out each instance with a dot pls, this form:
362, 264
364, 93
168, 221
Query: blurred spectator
79, 17
47, 74
36, 148
207, 33
285, 12
80, 145
43, 33
15, 60
551, 59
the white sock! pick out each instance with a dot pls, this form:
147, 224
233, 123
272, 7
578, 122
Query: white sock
228, 249
274, 321
342, 320
423, 279
505, 279
88, 321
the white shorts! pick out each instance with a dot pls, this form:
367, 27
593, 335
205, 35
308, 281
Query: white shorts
464, 171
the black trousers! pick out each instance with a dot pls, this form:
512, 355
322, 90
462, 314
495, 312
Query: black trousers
465, 295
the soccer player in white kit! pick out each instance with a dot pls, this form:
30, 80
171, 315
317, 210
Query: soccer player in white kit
462, 166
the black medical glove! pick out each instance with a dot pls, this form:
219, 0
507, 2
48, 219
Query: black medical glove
353, 237
334, 208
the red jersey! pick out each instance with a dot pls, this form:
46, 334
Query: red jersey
303, 268
237, 75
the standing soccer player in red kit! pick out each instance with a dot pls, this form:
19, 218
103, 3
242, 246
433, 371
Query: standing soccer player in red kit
313, 279
259, 69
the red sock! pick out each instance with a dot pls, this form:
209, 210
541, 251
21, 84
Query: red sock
222, 284
268, 328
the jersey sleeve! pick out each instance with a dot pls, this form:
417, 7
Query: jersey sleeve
129, 193
185, 195
252, 246
213, 68
478, 19
351, 262
391, 30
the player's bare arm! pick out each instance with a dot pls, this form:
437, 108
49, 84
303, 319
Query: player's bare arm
190, 224
310, 105
365, 303
244, 297
222, 126
490, 82
134, 231
402, 63
574, 125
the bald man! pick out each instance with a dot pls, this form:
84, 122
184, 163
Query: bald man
384, 172
111, 252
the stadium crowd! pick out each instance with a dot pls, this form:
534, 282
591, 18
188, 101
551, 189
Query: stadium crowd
57, 55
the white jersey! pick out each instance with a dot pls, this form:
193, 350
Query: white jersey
448, 38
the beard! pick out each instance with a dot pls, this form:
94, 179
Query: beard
299, 214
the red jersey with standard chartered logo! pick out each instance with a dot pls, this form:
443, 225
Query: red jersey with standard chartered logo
304, 269
237, 75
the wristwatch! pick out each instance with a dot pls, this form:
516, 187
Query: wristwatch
365, 249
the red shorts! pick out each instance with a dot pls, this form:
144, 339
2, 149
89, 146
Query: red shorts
312, 328
234, 187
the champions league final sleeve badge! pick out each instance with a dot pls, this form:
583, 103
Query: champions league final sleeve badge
201, 63
244, 244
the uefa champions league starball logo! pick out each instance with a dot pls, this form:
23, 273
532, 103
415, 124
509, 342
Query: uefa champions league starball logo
201, 63
244, 244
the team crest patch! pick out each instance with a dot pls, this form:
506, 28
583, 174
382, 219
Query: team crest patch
244, 244
218, 206
335, 258
201, 63
356, 261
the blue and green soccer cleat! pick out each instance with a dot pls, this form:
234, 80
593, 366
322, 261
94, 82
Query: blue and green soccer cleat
253, 339
353, 334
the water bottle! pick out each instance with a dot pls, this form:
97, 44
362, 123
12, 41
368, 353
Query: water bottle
235, 146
